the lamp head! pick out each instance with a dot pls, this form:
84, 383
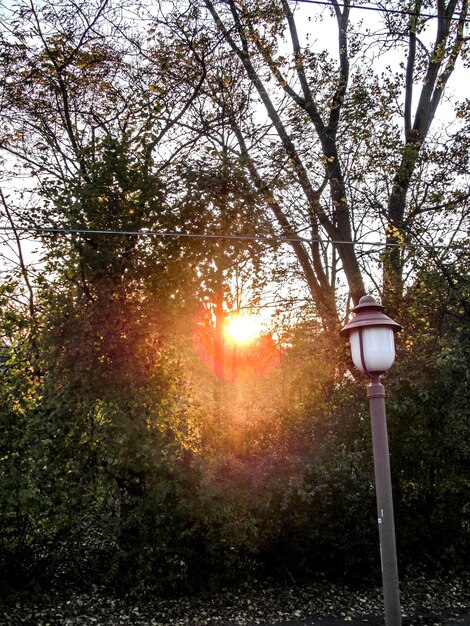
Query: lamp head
371, 334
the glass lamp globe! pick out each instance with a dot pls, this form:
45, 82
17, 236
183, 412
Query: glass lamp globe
378, 349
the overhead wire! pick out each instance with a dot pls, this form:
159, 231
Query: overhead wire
261, 238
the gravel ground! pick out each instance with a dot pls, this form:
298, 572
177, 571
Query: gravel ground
424, 603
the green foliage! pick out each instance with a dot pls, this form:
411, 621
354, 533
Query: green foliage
19, 495
106, 477
428, 419
327, 513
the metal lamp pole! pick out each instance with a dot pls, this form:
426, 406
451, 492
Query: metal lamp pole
371, 334
383, 489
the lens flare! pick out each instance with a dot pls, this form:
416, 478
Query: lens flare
237, 348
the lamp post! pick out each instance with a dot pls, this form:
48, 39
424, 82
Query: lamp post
371, 335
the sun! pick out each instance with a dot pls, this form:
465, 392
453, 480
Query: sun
242, 328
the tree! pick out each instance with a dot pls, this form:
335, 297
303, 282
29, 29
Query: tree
322, 111
347, 150
427, 411
108, 406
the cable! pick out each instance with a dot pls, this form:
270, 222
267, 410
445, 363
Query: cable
384, 10
267, 238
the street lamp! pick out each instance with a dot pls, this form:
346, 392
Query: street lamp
371, 335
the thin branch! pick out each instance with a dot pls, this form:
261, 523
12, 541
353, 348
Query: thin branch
410, 66
24, 269
342, 19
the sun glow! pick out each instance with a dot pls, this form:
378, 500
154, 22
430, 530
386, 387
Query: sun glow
242, 329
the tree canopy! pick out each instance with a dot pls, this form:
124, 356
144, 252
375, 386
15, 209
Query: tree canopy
178, 163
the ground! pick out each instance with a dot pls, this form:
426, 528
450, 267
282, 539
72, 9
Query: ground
438, 602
